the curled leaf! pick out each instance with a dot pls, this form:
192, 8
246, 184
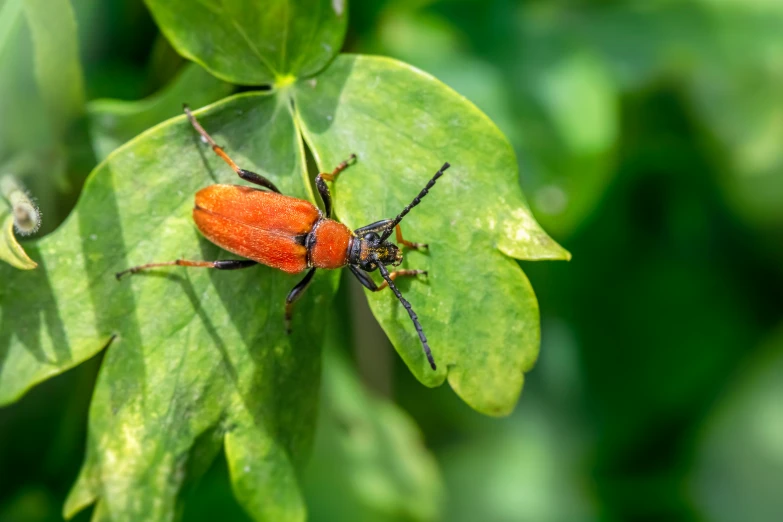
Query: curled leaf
20, 213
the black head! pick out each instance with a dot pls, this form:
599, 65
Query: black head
371, 249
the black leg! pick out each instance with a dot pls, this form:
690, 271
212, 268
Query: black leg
365, 279
258, 179
294, 295
223, 264
416, 324
323, 177
378, 227
252, 177
326, 196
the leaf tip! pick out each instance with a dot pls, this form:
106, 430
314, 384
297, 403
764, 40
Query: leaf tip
523, 238
82, 494
496, 399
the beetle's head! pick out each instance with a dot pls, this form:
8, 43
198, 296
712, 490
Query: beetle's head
373, 251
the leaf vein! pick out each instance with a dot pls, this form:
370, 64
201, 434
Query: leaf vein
249, 42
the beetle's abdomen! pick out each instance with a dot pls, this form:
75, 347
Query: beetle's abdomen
263, 226
330, 245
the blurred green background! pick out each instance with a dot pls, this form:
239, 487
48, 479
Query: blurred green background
650, 141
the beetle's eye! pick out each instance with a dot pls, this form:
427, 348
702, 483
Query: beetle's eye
372, 237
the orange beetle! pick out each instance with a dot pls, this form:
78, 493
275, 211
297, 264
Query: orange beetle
291, 234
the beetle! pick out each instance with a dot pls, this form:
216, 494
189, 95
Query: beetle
293, 235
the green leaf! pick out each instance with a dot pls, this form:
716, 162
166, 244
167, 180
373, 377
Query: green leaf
57, 65
242, 42
476, 305
369, 462
196, 357
113, 122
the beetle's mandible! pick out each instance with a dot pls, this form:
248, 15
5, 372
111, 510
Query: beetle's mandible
293, 235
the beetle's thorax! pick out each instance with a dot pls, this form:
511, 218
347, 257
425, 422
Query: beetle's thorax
328, 244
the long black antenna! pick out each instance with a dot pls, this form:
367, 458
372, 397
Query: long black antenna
415, 202
407, 305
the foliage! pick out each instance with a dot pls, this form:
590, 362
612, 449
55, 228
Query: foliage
643, 134
249, 43
193, 361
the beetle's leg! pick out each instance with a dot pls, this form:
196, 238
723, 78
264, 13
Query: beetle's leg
377, 227
363, 278
408, 244
294, 295
368, 283
252, 177
223, 264
323, 177
331, 176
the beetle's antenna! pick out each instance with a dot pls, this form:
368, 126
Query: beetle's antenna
415, 202
407, 305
